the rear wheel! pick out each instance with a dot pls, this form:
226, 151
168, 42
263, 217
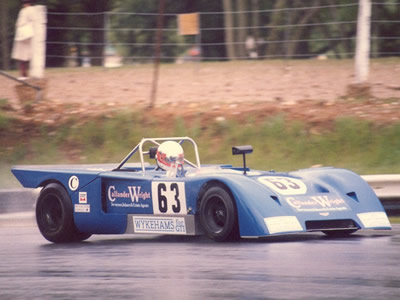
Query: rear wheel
339, 233
54, 216
218, 214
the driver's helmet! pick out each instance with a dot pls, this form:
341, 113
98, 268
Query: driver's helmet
170, 157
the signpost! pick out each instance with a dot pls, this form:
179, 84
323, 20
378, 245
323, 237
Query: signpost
188, 24
160, 25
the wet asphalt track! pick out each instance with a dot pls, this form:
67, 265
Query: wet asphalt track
305, 266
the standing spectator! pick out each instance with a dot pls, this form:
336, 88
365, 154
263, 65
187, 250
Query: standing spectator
22, 49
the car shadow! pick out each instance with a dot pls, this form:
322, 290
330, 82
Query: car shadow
121, 240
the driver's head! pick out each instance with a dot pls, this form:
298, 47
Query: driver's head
170, 157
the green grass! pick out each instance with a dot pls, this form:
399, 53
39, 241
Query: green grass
394, 220
280, 145
4, 119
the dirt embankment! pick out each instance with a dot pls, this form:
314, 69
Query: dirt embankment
314, 92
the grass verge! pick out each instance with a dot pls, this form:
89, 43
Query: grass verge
278, 144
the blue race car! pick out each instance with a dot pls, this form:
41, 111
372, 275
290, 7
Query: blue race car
180, 197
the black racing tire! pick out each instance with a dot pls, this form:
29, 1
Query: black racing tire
339, 233
54, 216
218, 215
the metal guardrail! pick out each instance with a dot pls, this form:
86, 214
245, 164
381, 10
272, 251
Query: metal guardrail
387, 188
17, 200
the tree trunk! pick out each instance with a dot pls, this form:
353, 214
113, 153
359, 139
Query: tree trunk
97, 37
5, 56
229, 37
97, 22
255, 21
329, 32
274, 33
242, 32
302, 32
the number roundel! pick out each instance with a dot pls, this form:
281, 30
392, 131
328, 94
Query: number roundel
284, 185
169, 198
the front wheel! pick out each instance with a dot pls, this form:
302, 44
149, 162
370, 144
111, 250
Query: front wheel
54, 215
218, 214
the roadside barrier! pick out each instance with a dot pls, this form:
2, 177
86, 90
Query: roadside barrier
17, 200
386, 187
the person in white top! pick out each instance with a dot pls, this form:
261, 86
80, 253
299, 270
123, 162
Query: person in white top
22, 48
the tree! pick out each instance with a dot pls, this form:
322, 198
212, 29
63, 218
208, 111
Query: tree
228, 23
255, 21
242, 24
55, 49
282, 25
275, 33
139, 38
8, 17
301, 32
5, 61
389, 45
97, 23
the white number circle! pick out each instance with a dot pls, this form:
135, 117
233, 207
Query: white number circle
73, 183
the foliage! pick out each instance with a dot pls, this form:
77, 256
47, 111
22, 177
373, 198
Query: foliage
8, 16
394, 220
278, 144
273, 23
4, 118
141, 40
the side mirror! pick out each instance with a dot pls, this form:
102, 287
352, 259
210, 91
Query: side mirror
247, 149
152, 152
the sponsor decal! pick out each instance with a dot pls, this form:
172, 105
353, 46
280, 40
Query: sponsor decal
82, 208
319, 203
284, 185
135, 194
73, 183
165, 225
374, 219
283, 224
82, 197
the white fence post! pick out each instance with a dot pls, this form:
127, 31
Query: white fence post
363, 41
37, 64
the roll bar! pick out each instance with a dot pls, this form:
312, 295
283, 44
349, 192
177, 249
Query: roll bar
157, 142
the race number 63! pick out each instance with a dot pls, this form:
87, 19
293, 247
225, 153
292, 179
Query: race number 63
284, 185
168, 197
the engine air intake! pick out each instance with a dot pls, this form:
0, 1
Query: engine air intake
330, 224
